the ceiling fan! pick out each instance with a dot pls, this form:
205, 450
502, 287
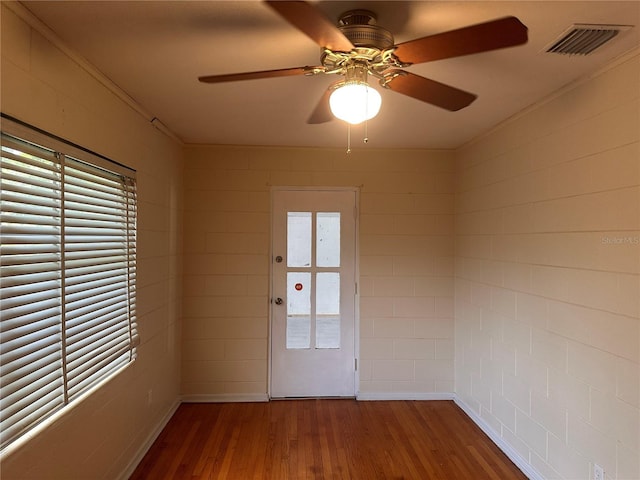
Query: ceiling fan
358, 47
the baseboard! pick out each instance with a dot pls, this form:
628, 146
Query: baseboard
226, 398
495, 437
146, 445
372, 396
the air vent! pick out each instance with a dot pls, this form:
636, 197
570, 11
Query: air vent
581, 39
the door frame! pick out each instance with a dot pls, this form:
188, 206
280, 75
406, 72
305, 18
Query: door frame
356, 309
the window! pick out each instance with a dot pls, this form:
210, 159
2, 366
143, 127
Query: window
301, 248
68, 273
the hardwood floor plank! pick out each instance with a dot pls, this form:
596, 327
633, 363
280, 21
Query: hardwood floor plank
324, 439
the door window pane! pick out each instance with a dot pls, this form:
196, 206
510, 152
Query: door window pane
298, 310
328, 239
328, 310
298, 239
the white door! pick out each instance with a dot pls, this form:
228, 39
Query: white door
313, 293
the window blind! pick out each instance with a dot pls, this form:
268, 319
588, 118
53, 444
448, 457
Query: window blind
67, 283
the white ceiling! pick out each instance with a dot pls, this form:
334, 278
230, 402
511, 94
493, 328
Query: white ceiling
155, 50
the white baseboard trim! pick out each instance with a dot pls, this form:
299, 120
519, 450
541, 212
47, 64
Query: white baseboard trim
372, 396
226, 398
146, 445
513, 455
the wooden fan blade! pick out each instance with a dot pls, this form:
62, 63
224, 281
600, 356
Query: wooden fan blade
430, 91
283, 72
312, 23
322, 112
501, 33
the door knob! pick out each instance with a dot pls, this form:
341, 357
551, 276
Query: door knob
278, 301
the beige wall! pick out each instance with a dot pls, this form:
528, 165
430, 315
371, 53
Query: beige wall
547, 291
102, 434
406, 265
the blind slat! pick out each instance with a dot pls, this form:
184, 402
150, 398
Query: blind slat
12, 194
94, 270
78, 281
25, 232
46, 260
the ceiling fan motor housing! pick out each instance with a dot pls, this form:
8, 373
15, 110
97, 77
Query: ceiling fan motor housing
360, 27
369, 39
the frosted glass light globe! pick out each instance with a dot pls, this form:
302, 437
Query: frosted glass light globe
355, 102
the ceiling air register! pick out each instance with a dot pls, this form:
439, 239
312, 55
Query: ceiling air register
582, 39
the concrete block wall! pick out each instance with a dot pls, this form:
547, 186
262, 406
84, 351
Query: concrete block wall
547, 333
406, 265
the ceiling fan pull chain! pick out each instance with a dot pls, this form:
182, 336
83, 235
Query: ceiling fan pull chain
348, 138
366, 118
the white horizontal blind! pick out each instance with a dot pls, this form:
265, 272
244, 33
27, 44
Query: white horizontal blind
67, 280
31, 367
96, 274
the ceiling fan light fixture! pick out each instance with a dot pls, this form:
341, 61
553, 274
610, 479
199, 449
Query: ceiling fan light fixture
355, 102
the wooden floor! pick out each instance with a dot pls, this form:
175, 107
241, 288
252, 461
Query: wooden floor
324, 439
